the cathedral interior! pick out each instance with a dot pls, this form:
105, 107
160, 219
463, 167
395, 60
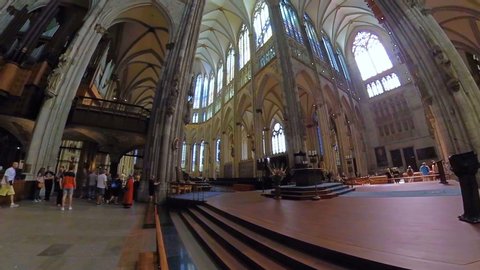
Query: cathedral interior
223, 90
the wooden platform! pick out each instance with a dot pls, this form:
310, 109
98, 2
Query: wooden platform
348, 232
321, 191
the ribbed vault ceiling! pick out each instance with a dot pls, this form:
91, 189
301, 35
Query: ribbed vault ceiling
222, 20
139, 40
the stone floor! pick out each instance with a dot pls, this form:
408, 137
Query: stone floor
40, 236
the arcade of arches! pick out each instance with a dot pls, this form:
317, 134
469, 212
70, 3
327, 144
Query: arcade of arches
145, 87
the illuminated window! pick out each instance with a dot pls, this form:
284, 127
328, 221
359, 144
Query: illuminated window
184, 155
205, 91
278, 139
197, 92
202, 156
230, 64
261, 23
194, 156
317, 47
370, 55
244, 46
211, 90
290, 21
330, 51
220, 79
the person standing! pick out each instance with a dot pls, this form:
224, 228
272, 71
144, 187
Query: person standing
39, 185
49, 177
424, 170
58, 187
101, 185
7, 184
68, 184
128, 195
92, 182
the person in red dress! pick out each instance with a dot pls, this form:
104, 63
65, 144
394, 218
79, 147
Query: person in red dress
128, 195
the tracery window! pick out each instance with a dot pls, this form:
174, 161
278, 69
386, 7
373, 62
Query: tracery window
194, 156
330, 51
220, 79
343, 65
205, 91
244, 46
211, 90
202, 156
217, 151
261, 23
197, 92
278, 139
290, 21
184, 155
230, 64
195, 118
370, 55
317, 47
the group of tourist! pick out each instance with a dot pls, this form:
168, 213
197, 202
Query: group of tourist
99, 186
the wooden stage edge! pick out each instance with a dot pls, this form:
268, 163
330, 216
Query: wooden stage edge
404, 232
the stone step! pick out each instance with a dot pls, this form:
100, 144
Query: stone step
250, 255
224, 258
270, 247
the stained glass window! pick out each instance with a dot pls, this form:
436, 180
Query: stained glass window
261, 23
211, 90
317, 47
244, 46
197, 92
330, 51
278, 139
230, 64
202, 156
220, 79
370, 55
205, 91
290, 21
184, 155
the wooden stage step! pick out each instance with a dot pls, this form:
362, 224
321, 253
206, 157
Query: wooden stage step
250, 255
224, 258
288, 256
238, 244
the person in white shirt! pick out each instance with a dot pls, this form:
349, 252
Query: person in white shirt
7, 184
101, 185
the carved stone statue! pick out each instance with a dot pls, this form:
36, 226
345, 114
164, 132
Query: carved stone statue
58, 73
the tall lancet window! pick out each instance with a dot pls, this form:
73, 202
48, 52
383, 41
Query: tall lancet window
205, 91
184, 155
330, 51
198, 91
211, 90
194, 156
244, 46
278, 139
317, 47
290, 21
230, 64
220, 79
202, 156
372, 59
261, 23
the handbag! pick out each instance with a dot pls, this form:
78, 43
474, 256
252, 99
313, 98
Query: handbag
40, 184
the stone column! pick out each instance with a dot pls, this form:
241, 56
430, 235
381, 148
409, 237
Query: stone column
169, 104
294, 127
63, 84
444, 81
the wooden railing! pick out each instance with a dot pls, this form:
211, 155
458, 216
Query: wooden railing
162, 255
109, 106
157, 259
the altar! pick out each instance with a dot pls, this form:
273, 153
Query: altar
307, 176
